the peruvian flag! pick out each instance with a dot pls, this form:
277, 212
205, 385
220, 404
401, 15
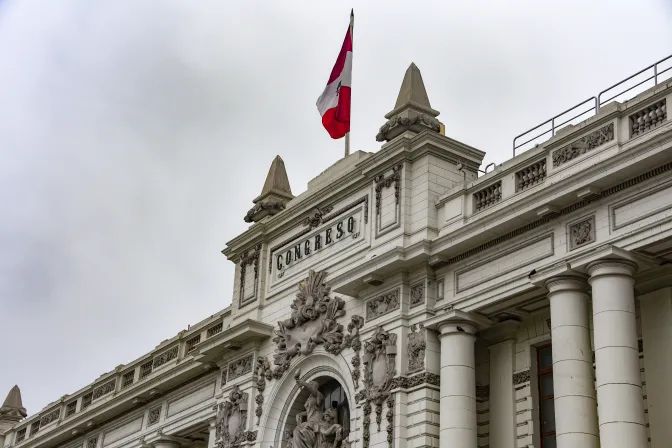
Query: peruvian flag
334, 103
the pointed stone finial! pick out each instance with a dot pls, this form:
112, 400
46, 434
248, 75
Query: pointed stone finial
412, 111
275, 194
12, 409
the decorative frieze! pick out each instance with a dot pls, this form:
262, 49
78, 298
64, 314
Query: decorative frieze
165, 357
103, 389
386, 182
521, 377
418, 294
191, 343
382, 304
531, 175
483, 393
416, 348
154, 416
488, 196
581, 232
231, 420
249, 259
583, 145
127, 379
50, 417
648, 118
240, 367
92, 442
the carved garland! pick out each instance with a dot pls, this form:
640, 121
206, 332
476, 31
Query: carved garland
385, 182
246, 260
231, 418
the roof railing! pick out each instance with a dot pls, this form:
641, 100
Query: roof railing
595, 104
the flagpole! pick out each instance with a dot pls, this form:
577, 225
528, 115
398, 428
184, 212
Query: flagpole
352, 26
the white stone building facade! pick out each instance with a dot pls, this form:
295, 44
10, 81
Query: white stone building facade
432, 305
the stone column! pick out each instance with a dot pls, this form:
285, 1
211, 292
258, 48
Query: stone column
212, 425
619, 386
502, 398
458, 386
573, 377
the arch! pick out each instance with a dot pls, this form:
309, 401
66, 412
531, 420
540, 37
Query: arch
285, 391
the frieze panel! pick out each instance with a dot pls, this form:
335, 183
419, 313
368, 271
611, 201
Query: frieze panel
383, 304
92, 442
154, 416
581, 233
583, 145
418, 294
104, 389
521, 377
164, 357
240, 367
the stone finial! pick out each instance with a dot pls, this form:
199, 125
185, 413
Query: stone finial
275, 194
12, 409
412, 111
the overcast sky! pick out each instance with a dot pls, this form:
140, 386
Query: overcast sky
134, 135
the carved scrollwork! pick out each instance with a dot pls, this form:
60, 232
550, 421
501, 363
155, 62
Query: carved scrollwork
231, 419
386, 182
406, 122
312, 323
583, 145
262, 373
317, 218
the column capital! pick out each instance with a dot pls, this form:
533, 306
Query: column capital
451, 319
611, 266
571, 281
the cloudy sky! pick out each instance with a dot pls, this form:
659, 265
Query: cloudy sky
134, 135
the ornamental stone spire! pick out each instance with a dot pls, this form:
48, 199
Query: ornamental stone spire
412, 111
12, 409
275, 194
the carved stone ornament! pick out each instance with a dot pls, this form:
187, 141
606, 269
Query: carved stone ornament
249, 259
262, 373
312, 323
240, 367
414, 123
382, 304
231, 419
317, 218
417, 293
582, 233
386, 182
583, 145
273, 207
416, 349
379, 357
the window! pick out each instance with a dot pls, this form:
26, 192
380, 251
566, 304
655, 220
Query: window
546, 404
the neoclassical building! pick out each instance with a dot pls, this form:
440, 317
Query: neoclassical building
410, 299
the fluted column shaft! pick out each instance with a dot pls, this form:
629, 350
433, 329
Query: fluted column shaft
619, 387
573, 377
458, 386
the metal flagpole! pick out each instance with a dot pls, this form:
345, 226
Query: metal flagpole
352, 25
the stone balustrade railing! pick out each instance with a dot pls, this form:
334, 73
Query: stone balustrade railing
648, 118
488, 196
531, 175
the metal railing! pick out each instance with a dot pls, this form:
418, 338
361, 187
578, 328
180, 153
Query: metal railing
595, 104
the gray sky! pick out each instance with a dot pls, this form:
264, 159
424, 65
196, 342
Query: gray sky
134, 135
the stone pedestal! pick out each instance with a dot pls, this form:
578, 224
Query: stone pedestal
458, 386
573, 384
619, 387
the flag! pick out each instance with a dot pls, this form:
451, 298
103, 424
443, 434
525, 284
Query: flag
334, 103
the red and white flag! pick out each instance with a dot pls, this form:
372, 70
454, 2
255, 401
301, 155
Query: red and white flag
334, 103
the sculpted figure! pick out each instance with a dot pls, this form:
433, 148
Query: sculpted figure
315, 428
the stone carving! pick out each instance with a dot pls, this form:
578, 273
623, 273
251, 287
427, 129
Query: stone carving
164, 357
51, 416
417, 293
483, 393
315, 427
379, 371
583, 145
259, 206
224, 377
416, 349
382, 304
92, 442
103, 390
582, 233
317, 218
640, 346
648, 118
240, 367
154, 416
246, 260
231, 418
390, 419
262, 373
367, 424
521, 377
313, 322
354, 326
250, 436
420, 119
385, 182
531, 175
